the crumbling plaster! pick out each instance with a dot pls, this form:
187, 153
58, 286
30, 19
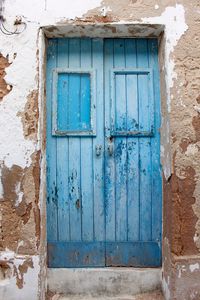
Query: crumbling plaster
22, 117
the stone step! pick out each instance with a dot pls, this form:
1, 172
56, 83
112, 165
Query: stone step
103, 282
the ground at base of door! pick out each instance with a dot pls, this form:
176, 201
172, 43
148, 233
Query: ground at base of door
156, 295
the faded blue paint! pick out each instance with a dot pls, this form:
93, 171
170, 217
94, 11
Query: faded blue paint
123, 83
74, 109
90, 254
104, 187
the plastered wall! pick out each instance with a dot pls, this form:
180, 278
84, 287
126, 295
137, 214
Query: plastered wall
22, 132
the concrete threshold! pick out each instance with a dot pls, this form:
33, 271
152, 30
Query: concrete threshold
99, 283
156, 295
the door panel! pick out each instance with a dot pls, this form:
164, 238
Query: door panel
129, 254
75, 173
103, 161
131, 175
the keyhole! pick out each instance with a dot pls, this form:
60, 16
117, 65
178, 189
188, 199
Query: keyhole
77, 203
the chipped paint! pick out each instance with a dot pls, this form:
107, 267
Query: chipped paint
192, 149
5, 88
197, 108
105, 10
166, 289
181, 269
30, 115
19, 194
1, 184
22, 278
175, 26
194, 267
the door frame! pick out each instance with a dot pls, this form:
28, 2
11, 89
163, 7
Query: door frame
104, 30
113, 227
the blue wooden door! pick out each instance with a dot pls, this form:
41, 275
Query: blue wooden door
103, 153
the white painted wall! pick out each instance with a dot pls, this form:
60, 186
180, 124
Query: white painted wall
22, 75
8, 287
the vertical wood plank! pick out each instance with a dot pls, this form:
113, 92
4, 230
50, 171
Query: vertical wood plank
62, 146
85, 98
120, 143
155, 144
62, 93
86, 152
51, 147
74, 98
144, 146
109, 161
132, 144
98, 176
74, 146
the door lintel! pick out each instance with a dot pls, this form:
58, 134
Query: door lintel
104, 30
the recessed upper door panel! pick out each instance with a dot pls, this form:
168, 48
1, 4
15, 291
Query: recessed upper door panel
132, 106
74, 102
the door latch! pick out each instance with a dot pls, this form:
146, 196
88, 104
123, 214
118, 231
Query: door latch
98, 150
110, 149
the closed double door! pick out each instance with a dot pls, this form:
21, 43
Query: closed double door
103, 153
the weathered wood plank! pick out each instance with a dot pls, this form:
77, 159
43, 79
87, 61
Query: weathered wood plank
87, 195
62, 144
109, 161
144, 145
52, 221
155, 144
98, 176
74, 145
120, 149
132, 144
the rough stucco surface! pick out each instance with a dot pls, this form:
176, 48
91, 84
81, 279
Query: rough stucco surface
22, 261
186, 139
